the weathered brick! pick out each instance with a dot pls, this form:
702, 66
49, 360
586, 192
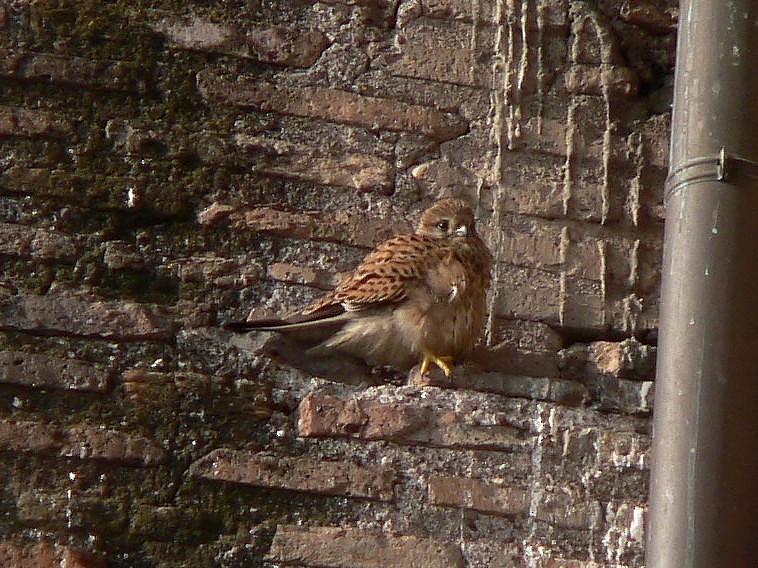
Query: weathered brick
543, 174
531, 294
89, 442
608, 80
334, 105
333, 547
509, 360
494, 553
359, 171
446, 97
570, 393
114, 192
75, 71
211, 269
46, 555
293, 274
568, 510
404, 420
625, 524
528, 336
276, 44
479, 495
63, 312
215, 213
119, 254
647, 14
26, 436
348, 227
625, 359
296, 473
623, 450
36, 243
80, 441
46, 371
439, 50
32, 123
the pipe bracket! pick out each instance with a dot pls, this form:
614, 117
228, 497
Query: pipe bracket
713, 167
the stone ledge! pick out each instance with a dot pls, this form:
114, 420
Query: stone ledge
406, 420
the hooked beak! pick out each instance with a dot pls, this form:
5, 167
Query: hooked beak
461, 231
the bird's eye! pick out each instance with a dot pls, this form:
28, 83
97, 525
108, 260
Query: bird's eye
443, 225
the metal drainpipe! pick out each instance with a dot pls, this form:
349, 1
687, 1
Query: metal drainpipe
704, 479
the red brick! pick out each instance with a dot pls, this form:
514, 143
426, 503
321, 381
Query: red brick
297, 474
276, 44
76, 71
46, 371
68, 313
479, 495
333, 547
334, 105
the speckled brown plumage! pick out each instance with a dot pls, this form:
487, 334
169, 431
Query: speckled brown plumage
417, 297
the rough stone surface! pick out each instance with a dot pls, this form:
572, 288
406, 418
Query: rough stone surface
166, 169
298, 474
342, 548
43, 371
66, 313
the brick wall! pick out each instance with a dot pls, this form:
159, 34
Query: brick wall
165, 168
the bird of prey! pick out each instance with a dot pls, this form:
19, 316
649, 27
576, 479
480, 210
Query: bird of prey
417, 297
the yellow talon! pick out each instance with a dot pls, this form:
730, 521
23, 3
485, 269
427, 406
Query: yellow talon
443, 362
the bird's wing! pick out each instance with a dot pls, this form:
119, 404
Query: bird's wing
382, 278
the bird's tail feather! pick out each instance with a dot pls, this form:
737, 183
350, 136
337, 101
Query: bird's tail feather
284, 326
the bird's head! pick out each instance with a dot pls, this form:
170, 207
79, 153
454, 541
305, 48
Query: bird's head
447, 218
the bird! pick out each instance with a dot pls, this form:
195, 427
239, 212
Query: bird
418, 297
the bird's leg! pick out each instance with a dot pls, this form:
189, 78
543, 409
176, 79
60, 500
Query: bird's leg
444, 362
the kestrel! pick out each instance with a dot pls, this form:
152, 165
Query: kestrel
416, 297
